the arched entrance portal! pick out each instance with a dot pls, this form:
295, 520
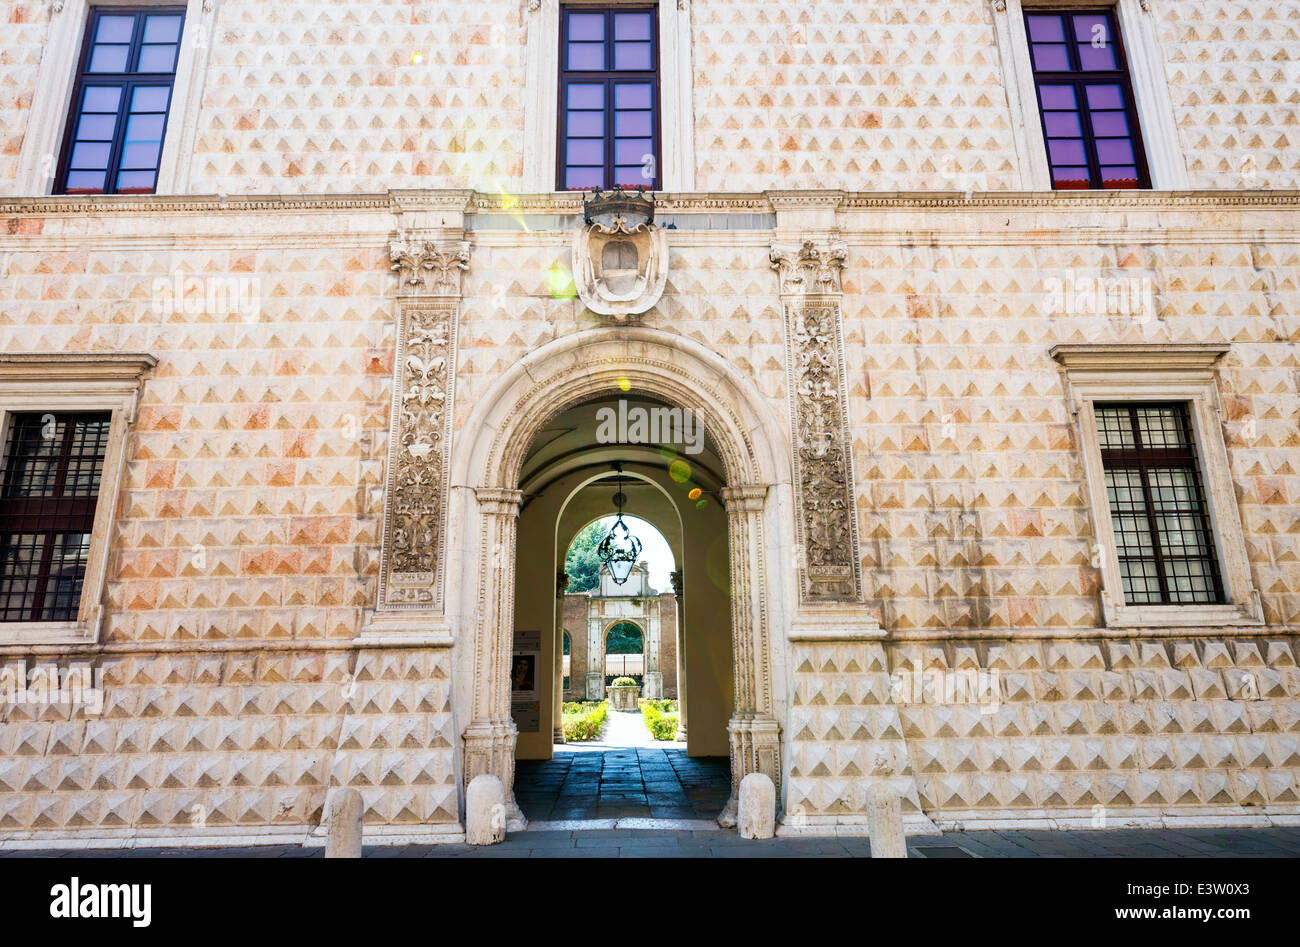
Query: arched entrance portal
487, 499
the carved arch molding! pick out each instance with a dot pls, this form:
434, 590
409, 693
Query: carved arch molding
412, 557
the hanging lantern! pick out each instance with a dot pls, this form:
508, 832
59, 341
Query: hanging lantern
619, 550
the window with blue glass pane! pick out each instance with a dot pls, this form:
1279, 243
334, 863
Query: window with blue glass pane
1085, 99
119, 106
609, 98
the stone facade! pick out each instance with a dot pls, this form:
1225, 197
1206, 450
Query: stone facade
308, 578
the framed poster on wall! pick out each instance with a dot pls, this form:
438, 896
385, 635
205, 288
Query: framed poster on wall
525, 696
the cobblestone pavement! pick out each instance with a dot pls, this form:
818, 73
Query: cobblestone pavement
595, 782
627, 843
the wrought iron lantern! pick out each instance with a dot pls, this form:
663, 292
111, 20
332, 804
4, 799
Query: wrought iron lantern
619, 550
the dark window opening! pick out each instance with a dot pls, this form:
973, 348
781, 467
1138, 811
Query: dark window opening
119, 104
1085, 100
609, 98
1157, 505
49, 486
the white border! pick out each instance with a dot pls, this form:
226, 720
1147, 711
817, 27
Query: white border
47, 119
541, 93
1162, 372
1146, 67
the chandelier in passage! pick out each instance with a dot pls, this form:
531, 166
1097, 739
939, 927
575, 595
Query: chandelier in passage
619, 550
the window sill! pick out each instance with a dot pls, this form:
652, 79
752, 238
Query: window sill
45, 632
1183, 616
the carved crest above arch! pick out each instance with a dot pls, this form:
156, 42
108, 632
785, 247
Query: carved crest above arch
620, 271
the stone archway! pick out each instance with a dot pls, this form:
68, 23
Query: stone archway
485, 509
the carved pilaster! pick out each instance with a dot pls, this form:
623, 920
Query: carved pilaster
826, 525
753, 730
490, 737
424, 372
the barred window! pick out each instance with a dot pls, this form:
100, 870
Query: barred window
49, 486
1157, 504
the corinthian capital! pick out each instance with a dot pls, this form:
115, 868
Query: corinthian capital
424, 269
809, 269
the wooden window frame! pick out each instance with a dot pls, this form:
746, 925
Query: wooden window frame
608, 77
1079, 80
127, 82
1143, 460
37, 514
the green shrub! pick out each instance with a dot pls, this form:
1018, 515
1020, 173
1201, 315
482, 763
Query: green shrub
586, 723
662, 725
624, 682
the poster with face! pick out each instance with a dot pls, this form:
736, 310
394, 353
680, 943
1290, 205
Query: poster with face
524, 675
525, 699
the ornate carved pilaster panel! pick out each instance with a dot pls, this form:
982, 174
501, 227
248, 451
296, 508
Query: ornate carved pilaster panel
826, 524
424, 371
753, 730
490, 737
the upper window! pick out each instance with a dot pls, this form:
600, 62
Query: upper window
120, 102
49, 486
1166, 550
1085, 100
609, 98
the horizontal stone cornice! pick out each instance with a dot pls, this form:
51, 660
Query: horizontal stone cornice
1140, 356
462, 201
66, 367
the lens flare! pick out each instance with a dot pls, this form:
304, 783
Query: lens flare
559, 281
695, 494
624, 384
702, 504
510, 202
680, 471
417, 59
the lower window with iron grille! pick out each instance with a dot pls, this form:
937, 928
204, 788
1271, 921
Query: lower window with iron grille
1164, 540
49, 485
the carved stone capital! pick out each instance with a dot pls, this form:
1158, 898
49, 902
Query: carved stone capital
747, 498
678, 582
424, 269
809, 269
499, 501
1000, 6
561, 583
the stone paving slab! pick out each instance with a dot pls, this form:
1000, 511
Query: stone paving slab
1283, 842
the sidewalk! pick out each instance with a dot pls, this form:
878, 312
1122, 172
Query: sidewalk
630, 843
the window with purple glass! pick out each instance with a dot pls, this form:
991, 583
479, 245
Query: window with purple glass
119, 106
1085, 100
609, 98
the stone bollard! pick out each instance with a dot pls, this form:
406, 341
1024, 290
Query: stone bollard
485, 811
756, 811
885, 822
344, 839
